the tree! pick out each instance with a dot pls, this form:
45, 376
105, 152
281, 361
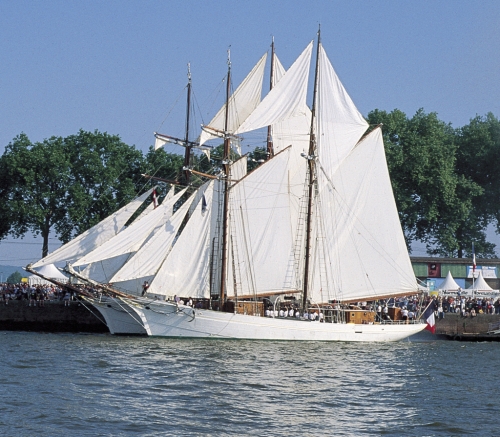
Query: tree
433, 199
67, 184
37, 191
478, 159
105, 175
14, 278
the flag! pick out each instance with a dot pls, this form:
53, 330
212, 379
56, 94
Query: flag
155, 199
473, 259
429, 317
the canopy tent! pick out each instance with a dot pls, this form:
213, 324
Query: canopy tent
49, 271
449, 284
480, 285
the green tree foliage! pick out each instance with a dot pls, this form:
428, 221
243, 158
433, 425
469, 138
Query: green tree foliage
37, 194
435, 201
14, 278
105, 175
67, 184
478, 159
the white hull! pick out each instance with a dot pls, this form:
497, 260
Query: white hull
164, 319
120, 319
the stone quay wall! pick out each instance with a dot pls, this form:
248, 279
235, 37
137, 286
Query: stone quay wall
54, 316
454, 324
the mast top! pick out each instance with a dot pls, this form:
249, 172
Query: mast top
189, 72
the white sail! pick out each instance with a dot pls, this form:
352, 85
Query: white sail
263, 215
339, 123
148, 259
95, 236
360, 251
132, 238
286, 100
243, 101
292, 131
278, 70
186, 269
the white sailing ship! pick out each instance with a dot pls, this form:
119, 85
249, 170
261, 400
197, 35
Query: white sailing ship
314, 225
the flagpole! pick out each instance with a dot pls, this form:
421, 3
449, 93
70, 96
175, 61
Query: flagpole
473, 268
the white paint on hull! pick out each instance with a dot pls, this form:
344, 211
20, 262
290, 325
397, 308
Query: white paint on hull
164, 319
119, 317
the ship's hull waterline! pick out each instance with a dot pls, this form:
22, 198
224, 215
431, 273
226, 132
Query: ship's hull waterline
164, 319
120, 318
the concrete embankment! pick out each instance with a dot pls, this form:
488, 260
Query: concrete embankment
456, 327
52, 317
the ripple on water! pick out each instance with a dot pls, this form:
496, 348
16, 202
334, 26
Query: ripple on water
104, 385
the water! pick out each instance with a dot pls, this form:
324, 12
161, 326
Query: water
100, 385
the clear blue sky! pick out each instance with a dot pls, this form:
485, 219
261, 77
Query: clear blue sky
120, 66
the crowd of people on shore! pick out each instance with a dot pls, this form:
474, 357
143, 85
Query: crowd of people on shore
37, 294
467, 306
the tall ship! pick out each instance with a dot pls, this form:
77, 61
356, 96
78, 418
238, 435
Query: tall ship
288, 251
309, 231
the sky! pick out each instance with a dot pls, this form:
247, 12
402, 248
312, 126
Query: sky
120, 66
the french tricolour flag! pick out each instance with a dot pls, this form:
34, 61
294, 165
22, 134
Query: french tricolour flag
429, 318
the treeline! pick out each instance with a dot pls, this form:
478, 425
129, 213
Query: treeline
444, 179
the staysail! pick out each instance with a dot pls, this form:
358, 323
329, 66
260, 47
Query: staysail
95, 236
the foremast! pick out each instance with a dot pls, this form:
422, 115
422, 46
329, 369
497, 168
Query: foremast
187, 152
311, 167
162, 139
226, 169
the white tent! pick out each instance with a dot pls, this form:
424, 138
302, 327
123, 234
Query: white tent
449, 284
49, 271
480, 285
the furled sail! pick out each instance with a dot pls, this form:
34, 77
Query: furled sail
95, 236
243, 101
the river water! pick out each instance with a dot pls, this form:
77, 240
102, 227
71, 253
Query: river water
100, 385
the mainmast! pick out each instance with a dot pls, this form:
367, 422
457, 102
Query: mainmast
270, 149
187, 153
312, 180
226, 166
